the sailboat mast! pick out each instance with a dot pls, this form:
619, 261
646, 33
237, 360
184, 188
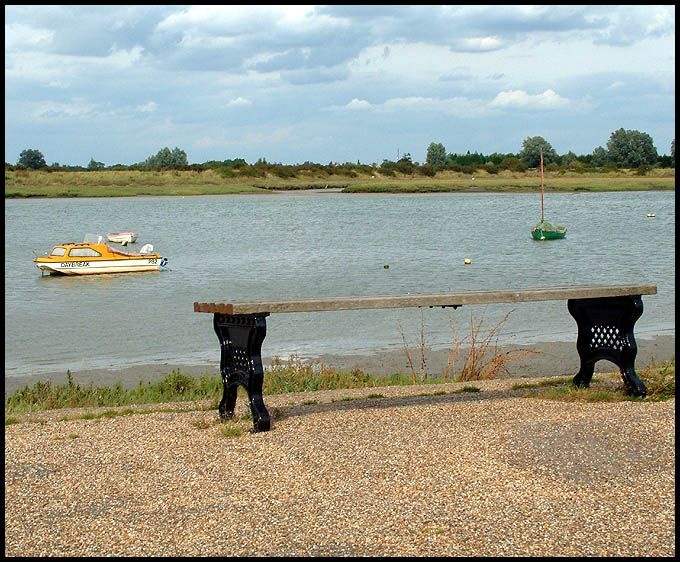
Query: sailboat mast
541, 185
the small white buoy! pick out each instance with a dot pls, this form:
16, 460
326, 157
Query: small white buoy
467, 261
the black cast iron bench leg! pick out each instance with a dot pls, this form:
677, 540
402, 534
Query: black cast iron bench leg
605, 331
241, 337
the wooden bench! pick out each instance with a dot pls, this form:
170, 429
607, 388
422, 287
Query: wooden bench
605, 316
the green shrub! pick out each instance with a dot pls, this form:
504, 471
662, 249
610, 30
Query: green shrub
175, 386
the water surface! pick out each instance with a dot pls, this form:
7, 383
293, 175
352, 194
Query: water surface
291, 246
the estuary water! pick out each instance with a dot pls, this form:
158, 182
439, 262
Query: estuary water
323, 244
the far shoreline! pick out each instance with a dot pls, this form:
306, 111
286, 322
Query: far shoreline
545, 359
24, 184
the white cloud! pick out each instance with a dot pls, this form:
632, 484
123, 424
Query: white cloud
632, 24
238, 20
661, 21
81, 109
150, 107
359, 104
62, 71
122, 58
458, 106
20, 36
478, 44
239, 101
35, 67
48, 110
520, 99
195, 40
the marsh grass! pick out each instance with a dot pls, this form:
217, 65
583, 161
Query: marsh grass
174, 387
120, 183
514, 184
126, 183
299, 375
659, 378
282, 376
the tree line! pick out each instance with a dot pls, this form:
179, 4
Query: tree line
624, 149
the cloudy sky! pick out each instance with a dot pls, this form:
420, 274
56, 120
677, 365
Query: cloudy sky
332, 83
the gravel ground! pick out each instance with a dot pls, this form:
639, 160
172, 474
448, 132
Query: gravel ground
401, 474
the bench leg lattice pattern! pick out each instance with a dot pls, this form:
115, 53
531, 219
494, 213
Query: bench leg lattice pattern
605, 331
241, 338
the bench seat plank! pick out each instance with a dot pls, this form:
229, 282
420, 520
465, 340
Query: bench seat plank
419, 300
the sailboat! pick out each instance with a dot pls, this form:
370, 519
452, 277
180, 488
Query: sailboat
545, 230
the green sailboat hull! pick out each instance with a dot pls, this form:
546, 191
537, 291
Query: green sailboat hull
546, 231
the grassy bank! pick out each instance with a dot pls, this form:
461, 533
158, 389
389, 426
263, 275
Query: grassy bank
118, 183
301, 376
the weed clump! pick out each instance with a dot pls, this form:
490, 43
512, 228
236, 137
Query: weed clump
484, 359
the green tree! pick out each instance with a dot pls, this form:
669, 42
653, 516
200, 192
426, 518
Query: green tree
531, 152
436, 155
166, 158
94, 165
600, 157
631, 149
569, 158
673, 153
513, 164
31, 158
405, 164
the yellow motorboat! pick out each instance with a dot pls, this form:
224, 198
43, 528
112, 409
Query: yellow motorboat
91, 258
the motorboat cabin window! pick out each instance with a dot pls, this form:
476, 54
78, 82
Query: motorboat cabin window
58, 251
84, 253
